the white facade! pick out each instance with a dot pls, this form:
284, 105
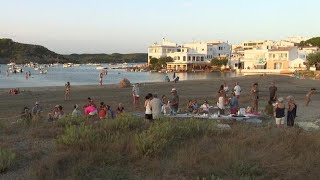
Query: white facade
254, 59
196, 52
297, 64
296, 39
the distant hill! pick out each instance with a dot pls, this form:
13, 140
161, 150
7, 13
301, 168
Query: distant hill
11, 51
20, 53
109, 58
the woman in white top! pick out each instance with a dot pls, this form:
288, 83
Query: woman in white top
165, 109
148, 113
220, 103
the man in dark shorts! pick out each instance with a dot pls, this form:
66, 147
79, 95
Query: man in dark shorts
273, 92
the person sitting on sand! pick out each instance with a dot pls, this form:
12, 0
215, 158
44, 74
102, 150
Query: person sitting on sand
110, 113
90, 110
37, 109
309, 94
204, 108
120, 108
268, 110
190, 106
102, 111
60, 112
165, 109
25, 114
76, 112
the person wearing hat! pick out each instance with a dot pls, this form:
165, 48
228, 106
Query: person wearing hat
279, 113
37, 109
174, 103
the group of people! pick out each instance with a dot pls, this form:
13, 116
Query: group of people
103, 112
154, 107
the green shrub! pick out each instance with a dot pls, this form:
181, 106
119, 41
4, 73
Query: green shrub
123, 123
163, 133
7, 158
69, 120
82, 136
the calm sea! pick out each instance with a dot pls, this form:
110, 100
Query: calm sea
89, 75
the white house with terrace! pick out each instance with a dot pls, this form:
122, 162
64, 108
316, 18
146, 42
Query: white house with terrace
189, 56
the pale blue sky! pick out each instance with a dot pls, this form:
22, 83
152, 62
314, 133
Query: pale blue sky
109, 26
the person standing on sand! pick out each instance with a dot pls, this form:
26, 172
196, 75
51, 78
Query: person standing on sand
225, 87
221, 103
100, 79
237, 90
279, 113
155, 104
292, 111
309, 94
255, 97
67, 91
136, 94
174, 103
273, 92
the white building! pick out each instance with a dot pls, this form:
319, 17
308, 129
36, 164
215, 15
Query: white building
254, 59
189, 55
296, 39
280, 58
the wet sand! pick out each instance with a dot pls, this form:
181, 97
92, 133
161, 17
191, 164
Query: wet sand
12, 105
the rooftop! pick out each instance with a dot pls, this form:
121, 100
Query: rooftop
283, 48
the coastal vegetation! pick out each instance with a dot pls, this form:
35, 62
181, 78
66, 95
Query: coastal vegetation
160, 63
7, 158
219, 62
314, 59
315, 41
130, 148
20, 53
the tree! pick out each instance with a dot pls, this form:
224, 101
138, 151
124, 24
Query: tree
164, 60
314, 59
154, 61
311, 42
219, 62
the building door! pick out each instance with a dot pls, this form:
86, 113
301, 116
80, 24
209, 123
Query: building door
277, 65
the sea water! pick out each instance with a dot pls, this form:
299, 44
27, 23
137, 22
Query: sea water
89, 75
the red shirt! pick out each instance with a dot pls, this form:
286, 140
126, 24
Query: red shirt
102, 113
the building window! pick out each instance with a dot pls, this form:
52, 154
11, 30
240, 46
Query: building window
184, 58
178, 57
198, 58
182, 50
202, 58
189, 58
202, 49
193, 58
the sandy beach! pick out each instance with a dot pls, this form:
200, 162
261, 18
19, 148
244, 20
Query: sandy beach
12, 105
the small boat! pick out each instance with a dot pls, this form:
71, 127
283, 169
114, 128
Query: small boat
11, 64
36, 68
101, 67
43, 72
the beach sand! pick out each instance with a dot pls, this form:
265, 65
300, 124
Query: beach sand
12, 105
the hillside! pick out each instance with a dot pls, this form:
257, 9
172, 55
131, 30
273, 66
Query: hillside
11, 51
20, 53
109, 58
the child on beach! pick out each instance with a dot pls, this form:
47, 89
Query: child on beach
309, 94
67, 91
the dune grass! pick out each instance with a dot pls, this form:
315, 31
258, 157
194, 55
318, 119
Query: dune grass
130, 148
7, 158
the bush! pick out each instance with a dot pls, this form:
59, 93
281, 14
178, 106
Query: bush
82, 136
69, 120
7, 158
123, 123
164, 133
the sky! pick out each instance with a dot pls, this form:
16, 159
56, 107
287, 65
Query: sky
130, 26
